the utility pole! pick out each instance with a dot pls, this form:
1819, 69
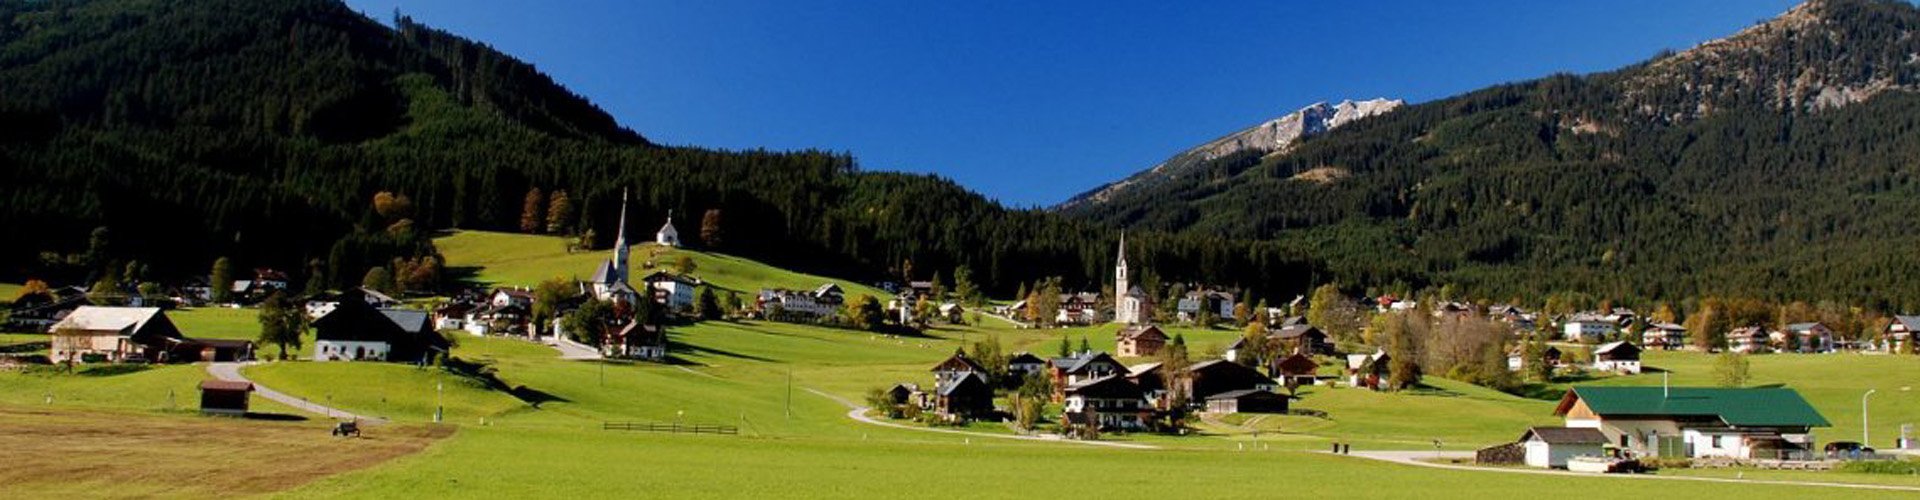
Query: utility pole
789, 393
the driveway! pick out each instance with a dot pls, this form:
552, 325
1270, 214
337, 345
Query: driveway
571, 350
859, 413
231, 372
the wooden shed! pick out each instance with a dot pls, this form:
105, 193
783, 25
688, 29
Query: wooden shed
225, 397
1247, 401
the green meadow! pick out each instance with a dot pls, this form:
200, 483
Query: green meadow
535, 429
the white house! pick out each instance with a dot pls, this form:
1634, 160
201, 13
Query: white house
1772, 422
1619, 357
672, 290
1588, 329
1550, 447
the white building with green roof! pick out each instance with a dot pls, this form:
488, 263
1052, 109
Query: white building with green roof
1697, 422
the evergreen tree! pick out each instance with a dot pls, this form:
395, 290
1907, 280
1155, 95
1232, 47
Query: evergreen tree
220, 281
707, 307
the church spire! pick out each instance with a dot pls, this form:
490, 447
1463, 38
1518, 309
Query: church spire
620, 242
1123, 248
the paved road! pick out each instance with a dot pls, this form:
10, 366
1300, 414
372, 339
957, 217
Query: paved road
574, 350
231, 372
859, 413
1416, 457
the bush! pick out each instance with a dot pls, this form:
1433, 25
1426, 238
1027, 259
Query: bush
1657, 463
1902, 467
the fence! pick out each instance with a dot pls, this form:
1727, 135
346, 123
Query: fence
672, 428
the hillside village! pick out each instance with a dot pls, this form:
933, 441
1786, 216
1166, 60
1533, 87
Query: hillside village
1155, 380
289, 249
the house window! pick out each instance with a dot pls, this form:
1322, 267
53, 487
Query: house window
1623, 440
1716, 442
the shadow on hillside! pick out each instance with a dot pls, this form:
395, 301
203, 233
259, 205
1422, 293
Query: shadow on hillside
467, 276
535, 397
112, 370
684, 347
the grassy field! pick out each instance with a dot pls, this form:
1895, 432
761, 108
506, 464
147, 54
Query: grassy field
542, 438
525, 260
127, 455
8, 291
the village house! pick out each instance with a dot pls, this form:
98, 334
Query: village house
671, 290
1209, 378
1693, 422
355, 331
954, 367
1803, 338
452, 315
1899, 333
1588, 328
1078, 309
1664, 336
113, 334
953, 313
961, 390
906, 393
1748, 340
1368, 370
1247, 401
1303, 338
1151, 379
35, 312
1517, 357
1215, 302
1619, 357
1140, 341
1296, 370
320, 304
1109, 402
788, 305
1087, 366
635, 340
1025, 363
1551, 447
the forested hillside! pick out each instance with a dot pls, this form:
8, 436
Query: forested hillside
1778, 163
264, 130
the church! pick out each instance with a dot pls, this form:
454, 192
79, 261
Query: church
1132, 304
609, 282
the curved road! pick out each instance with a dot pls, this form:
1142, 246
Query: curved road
1414, 458
231, 372
859, 413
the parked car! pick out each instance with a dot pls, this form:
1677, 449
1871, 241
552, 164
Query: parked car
1847, 449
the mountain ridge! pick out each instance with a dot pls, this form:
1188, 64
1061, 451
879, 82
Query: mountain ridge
1270, 137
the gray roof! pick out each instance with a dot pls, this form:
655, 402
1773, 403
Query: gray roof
1240, 394
1565, 435
605, 273
948, 388
409, 320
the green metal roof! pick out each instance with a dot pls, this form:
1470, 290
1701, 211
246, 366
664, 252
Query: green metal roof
1760, 407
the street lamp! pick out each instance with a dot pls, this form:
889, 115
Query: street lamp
1863, 417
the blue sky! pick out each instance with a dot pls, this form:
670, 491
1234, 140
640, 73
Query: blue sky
1032, 102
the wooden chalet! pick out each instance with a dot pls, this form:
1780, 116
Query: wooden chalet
1140, 341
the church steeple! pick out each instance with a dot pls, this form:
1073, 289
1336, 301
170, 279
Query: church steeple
620, 242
